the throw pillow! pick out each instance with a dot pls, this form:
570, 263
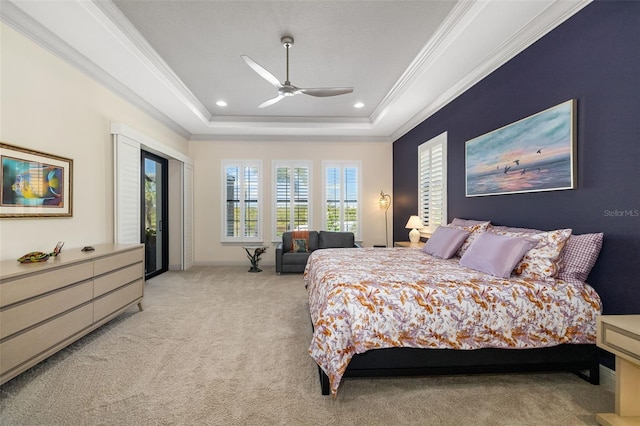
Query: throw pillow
579, 255
297, 235
496, 254
474, 230
445, 242
300, 245
543, 261
466, 222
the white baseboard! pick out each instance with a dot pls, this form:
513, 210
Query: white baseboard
246, 263
607, 378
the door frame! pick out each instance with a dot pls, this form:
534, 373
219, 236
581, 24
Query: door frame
127, 143
164, 208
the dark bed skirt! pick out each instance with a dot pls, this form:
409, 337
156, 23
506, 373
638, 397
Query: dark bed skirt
420, 362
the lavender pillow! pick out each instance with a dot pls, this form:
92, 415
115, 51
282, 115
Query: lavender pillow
466, 222
445, 242
543, 261
496, 254
474, 231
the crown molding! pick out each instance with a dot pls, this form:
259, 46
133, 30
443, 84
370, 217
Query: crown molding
124, 31
33, 30
552, 16
289, 138
427, 56
426, 74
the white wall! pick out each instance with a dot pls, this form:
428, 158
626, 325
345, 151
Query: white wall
49, 106
376, 160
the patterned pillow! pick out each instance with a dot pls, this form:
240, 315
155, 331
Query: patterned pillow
473, 230
300, 245
579, 255
500, 230
542, 261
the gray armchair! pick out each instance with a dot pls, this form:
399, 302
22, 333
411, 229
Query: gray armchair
291, 261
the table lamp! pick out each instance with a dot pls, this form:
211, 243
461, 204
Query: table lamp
414, 223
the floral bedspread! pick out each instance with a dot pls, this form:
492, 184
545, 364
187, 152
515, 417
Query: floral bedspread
370, 298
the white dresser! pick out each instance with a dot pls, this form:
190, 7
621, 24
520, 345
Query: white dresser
48, 305
620, 335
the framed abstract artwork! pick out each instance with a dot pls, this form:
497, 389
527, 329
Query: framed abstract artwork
34, 184
534, 154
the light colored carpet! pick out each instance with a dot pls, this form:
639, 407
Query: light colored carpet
218, 345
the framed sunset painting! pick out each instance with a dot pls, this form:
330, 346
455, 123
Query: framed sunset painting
534, 154
34, 184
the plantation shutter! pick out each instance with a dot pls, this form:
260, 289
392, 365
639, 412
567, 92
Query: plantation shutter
292, 197
342, 197
241, 213
432, 185
126, 190
188, 256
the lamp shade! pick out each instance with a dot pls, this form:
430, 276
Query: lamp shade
414, 222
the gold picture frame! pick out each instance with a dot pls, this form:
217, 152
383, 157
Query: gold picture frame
34, 183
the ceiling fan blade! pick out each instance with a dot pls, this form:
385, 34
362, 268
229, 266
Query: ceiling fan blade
327, 91
261, 71
270, 101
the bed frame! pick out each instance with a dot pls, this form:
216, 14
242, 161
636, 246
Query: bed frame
417, 362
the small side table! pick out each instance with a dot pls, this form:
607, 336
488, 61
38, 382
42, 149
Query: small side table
254, 253
408, 244
620, 335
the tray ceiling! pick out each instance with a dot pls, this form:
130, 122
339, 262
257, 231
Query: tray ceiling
177, 59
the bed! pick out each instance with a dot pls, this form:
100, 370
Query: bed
399, 311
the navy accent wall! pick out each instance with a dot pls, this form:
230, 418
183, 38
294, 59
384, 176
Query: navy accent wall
594, 57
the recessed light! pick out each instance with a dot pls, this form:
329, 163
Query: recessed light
221, 103
358, 105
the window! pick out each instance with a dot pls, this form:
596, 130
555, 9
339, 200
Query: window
242, 206
342, 197
292, 192
432, 184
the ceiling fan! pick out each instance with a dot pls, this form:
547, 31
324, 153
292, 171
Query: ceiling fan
288, 89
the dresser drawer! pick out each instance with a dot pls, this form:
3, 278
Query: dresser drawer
106, 283
34, 285
106, 305
24, 315
107, 264
621, 342
25, 346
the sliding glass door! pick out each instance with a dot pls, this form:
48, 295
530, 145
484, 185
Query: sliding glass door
154, 214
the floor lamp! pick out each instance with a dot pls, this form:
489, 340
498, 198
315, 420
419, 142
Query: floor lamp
385, 201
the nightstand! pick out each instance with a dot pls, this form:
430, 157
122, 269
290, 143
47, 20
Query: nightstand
620, 335
408, 244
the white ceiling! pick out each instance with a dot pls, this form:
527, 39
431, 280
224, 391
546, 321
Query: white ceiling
177, 58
